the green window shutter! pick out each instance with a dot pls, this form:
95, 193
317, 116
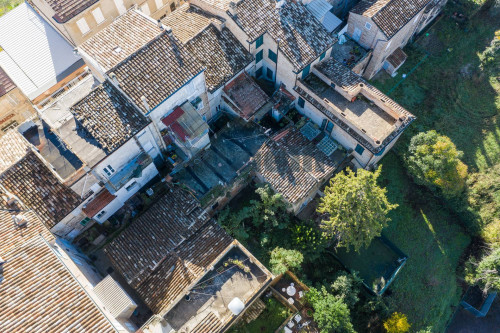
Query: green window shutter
273, 56
259, 42
305, 71
258, 56
301, 102
258, 73
359, 149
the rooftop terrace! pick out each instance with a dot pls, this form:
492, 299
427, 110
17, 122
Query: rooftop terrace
374, 122
207, 303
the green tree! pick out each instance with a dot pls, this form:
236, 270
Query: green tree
330, 313
355, 208
270, 211
434, 161
347, 287
486, 272
397, 323
306, 237
234, 222
282, 260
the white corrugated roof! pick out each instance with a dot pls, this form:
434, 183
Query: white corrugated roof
321, 10
112, 295
34, 55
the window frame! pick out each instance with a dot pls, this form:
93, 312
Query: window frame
359, 149
98, 15
301, 102
272, 56
259, 56
83, 25
259, 42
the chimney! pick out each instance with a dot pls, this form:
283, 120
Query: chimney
232, 9
145, 102
113, 77
20, 221
169, 31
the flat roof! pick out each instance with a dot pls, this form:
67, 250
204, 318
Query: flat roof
38, 60
369, 118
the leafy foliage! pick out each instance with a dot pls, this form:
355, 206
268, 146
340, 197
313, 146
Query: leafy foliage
347, 287
434, 161
330, 312
486, 272
397, 323
308, 239
283, 260
356, 208
270, 210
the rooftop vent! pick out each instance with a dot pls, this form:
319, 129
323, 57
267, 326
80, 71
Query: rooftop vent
117, 50
169, 31
20, 221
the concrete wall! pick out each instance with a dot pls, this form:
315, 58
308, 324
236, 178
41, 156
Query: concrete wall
15, 108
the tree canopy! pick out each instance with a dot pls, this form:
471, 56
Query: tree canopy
282, 260
330, 312
486, 272
355, 208
434, 161
397, 323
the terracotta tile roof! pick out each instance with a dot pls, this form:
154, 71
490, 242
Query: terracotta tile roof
183, 267
344, 78
13, 236
173, 116
390, 15
13, 147
220, 53
156, 71
6, 83
181, 133
188, 21
109, 117
209, 324
38, 294
98, 203
247, 95
397, 57
303, 37
37, 187
293, 165
67, 9
127, 34
167, 249
163, 227
186, 122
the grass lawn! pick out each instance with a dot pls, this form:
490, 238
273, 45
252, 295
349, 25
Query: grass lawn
6, 5
269, 320
426, 288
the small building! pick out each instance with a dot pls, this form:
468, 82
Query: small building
172, 254
79, 20
386, 26
244, 97
322, 11
296, 163
15, 107
352, 111
284, 37
42, 64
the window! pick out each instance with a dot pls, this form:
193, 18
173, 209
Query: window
101, 214
109, 170
272, 56
270, 73
172, 7
131, 186
305, 71
83, 26
301, 102
359, 149
197, 103
329, 127
145, 8
97, 13
85, 221
259, 42
322, 56
258, 73
159, 4
258, 56
332, 85
368, 26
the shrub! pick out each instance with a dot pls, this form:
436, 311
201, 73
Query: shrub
347, 287
486, 272
282, 260
330, 313
397, 323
